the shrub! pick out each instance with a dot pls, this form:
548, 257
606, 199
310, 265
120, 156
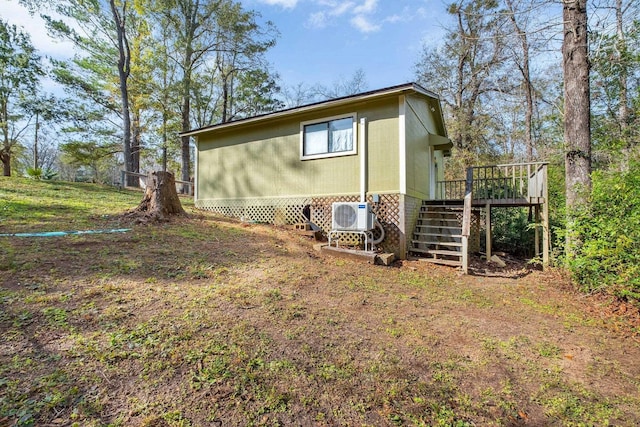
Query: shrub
40, 174
609, 257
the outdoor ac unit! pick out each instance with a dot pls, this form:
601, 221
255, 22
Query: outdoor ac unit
347, 216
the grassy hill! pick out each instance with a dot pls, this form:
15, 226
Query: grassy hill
208, 321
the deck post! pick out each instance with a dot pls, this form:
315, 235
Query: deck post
536, 250
488, 230
545, 219
466, 219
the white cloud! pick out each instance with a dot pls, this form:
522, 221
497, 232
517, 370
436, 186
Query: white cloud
336, 8
287, 4
317, 20
14, 13
363, 24
405, 16
360, 13
369, 6
341, 8
393, 19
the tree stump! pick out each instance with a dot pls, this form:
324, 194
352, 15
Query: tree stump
160, 199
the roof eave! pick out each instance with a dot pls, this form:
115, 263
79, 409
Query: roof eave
409, 87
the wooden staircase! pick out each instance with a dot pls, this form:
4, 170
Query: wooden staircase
438, 233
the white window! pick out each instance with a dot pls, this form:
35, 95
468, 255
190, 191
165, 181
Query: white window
334, 136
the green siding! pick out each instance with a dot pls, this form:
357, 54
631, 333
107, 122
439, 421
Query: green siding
263, 160
383, 157
417, 142
439, 160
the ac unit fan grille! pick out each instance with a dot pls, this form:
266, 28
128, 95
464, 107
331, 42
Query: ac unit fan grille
345, 216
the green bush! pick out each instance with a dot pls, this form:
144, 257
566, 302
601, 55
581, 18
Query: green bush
608, 258
512, 231
40, 174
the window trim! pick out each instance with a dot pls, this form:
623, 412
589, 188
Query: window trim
354, 118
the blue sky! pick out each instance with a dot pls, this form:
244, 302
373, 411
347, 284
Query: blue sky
321, 41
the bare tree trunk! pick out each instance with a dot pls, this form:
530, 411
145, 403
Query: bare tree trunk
5, 156
124, 60
186, 118
160, 199
5, 150
35, 144
623, 80
526, 77
136, 141
577, 136
190, 26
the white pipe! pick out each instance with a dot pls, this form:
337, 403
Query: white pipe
363, 159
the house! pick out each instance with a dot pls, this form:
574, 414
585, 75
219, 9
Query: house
387, 145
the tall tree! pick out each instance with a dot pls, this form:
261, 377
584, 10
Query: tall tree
119, 19
20, 70
45, 110
465, 69
523, 63
241, 44
356, 83
577, 132
615, 79
100, 30
164, 94
215, 42
194, 38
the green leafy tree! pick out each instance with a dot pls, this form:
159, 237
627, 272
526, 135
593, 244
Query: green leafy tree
255, 93
95, 156
465, 70
165, 99
241, 44
20, 70
193, 40
615, 83
213, 43
101, 30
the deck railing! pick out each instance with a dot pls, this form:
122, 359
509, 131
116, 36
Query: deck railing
515, 182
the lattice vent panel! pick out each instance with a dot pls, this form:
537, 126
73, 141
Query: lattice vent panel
387, 211
271, 211
474, 230
474, 237
292, 211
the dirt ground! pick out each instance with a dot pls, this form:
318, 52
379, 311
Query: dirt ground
209, 321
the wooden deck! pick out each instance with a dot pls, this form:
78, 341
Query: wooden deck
518, 184
486, 187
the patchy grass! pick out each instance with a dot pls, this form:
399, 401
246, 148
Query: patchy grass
208, 321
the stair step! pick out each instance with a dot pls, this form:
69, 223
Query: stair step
450, 262
442, 220
447, 212
437, 252
445, 252
455, 236
426, 215
443, 205
429, 242
438, 226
